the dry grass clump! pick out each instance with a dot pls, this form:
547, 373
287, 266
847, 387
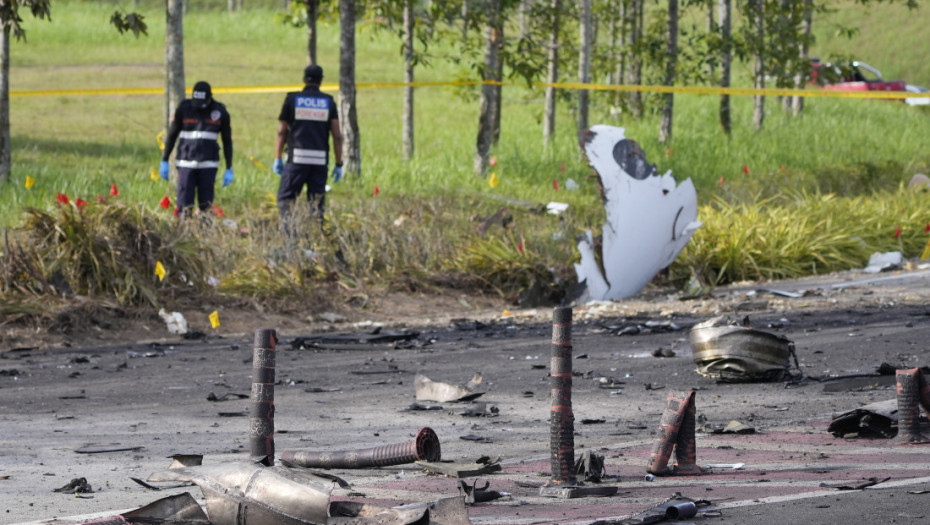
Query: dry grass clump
105, 251
800, 234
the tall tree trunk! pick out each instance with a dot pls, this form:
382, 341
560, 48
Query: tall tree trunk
797, 103
464, 20
726, 60
174, 58
758, 101
348, 118
408, 79
313, 12
671, 61
486, 112
711, 29
553, 74
615, 28
636, 66
498, 89
584, 65
5, 145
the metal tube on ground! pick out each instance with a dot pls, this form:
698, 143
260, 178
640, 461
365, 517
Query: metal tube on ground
261, 413
908, 407
562, 422
425, 447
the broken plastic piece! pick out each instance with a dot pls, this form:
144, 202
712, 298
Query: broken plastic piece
732, 352
881, 262
175, 321
429, 390
650, 218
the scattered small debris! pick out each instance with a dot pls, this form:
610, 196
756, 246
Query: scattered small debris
481, 410
855, 486
726, 466
873, 420
226, 397
76, 486
590, 467
475, 438
663, 352
482, 467
414, 407
475, 494
92, 449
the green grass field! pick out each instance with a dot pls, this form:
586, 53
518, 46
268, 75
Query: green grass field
82, 144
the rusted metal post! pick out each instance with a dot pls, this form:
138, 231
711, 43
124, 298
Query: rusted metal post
562, 422
676, 432
686, 445
425, 447
908, 407
261, 414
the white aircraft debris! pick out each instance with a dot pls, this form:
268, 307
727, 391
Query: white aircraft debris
650, 218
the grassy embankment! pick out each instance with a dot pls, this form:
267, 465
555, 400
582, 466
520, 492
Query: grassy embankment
419, 231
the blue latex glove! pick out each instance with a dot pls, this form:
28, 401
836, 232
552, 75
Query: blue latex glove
228, 177
337, 173
278, 167
163, 170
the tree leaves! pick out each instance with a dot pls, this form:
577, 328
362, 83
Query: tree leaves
125, 22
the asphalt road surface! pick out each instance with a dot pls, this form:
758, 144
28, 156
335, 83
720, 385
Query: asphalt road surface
109, 414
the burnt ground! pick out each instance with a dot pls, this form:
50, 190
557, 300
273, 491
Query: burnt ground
147, 391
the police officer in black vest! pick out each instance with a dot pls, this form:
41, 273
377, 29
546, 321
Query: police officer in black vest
197, 124
307, 119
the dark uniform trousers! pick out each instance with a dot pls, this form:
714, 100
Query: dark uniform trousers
202, 181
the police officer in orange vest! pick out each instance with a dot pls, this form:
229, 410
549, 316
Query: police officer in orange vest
307, 119
198, 122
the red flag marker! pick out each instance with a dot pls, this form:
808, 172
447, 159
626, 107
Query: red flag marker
217, 211
63, 199
520, 247
80, 203
165, 202
721, 180
377, 191
897, 232
746, 169
113, 191
927, 228
555, 184
176, 214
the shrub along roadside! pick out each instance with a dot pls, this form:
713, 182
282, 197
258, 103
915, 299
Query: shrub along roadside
109, 251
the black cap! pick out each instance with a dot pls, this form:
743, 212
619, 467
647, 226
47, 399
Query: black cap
202, 94
313, 73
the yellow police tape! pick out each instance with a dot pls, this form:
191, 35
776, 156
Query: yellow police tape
697, 90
